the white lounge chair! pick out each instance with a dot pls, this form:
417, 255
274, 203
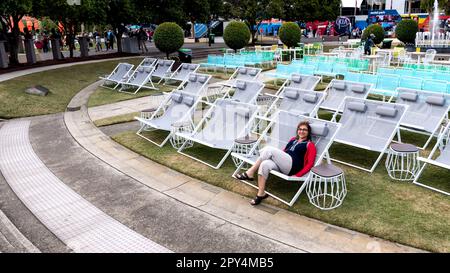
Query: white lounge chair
195, 83
225, 121
297, 101
369, 125
138, 79
426, 113
278, 133
337, 90
442, 160
177, 107
163, 69
182, 72
120, 73
304, 82
244, 91
241, 73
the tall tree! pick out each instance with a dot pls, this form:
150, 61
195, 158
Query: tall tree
118, 14
160, 11
196, 11
253, 12
11, 12
70, 17
428, 5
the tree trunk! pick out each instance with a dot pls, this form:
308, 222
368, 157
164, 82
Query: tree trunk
255, 33
193, 30
13, 40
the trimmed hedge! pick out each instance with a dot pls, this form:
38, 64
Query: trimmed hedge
290, 34
236, 35
168, 37
406, 31
377, 30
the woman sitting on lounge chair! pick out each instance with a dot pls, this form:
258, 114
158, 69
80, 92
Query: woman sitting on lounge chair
296, 159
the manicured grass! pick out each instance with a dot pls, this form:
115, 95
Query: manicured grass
116, 119
63, 84
104, 96
375, 204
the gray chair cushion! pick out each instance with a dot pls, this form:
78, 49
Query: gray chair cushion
140, 69
386, 111
167, 63
242, 111
358, 88
188, 100
296, 78
185, 67
192, 78
292, 94
436, 100
148, 69
319, 129
240, 85
339, 85
192, 66
252, 72
176, 97
243, 70
357, 106
202, 79
409, 96
311, 98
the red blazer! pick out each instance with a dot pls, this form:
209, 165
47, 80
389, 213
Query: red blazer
310, 158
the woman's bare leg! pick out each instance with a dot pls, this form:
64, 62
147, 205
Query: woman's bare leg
261, 185
253, 169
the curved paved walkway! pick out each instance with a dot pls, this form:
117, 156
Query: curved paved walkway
80, 225
279, 225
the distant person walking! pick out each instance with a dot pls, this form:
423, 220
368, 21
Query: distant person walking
98, 42
105, 35
142, 38
110, 38
369, 44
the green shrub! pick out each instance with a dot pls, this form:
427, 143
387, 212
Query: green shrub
236, 35
168, 38
290, 34
406, 31
377, 30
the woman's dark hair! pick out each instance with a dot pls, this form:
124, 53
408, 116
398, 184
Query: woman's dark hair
304, 123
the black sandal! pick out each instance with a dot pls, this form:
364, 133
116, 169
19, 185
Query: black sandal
244, 176
258, 199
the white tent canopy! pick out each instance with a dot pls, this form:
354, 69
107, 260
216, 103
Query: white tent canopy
351, 3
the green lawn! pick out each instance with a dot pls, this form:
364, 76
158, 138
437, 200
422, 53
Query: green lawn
63, 84
375, 204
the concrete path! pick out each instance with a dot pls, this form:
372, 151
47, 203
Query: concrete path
279, 225
124, 107
11, 239
80, 225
